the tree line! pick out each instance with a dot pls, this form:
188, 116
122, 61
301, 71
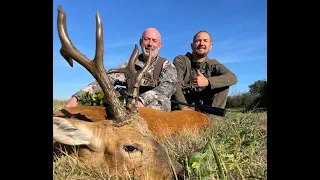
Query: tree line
255, 99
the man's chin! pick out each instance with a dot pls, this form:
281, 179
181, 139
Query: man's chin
201, 55
146, 53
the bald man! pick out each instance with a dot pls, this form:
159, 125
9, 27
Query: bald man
154, 92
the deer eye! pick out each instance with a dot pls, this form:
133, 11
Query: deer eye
130, 148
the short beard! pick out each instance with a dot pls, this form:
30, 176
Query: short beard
153, 51
201, 55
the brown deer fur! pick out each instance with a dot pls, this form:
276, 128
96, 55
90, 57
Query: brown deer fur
161, 124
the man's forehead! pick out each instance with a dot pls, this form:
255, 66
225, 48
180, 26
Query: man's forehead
151, 37
202, 35
153, 34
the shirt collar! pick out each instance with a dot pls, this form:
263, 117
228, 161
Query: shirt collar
194, 61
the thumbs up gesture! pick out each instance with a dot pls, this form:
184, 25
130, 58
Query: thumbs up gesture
200, 80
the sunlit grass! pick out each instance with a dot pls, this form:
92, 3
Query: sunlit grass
236, 149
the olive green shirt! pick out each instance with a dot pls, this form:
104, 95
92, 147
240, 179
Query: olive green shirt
216, 73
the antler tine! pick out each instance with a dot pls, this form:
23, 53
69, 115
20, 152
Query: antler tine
132, 61
134, 84
95, 67
129, 69
98, 59
134, 79
68, 50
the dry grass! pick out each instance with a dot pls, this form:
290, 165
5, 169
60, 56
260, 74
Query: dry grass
186, 143
236, 149
59, 104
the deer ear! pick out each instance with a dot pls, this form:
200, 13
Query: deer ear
71, 133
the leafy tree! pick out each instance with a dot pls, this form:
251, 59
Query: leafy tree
258, 87
255, 98
259, 92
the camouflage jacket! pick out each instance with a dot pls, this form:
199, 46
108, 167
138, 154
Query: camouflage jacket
216, 73
158, 97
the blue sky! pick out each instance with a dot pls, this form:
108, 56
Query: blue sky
238, 29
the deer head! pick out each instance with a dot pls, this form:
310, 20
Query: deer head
123, 143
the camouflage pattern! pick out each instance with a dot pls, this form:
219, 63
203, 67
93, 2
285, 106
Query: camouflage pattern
158, 97
219, 77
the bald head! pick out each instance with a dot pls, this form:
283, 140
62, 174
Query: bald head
151, 38
152, 31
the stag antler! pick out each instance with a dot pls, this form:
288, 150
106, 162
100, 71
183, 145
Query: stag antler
95, 66
134, 79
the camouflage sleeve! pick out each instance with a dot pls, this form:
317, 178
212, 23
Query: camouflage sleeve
225, 77
178, 62
119, 76
94, 87
166, 87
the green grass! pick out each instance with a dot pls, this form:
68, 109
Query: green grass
237, 149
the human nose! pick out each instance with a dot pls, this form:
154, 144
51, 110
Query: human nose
149, 43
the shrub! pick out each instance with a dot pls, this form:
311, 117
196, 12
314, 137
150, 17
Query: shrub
256, 98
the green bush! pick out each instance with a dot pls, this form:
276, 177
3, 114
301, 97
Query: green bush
97, 99
92, 99
256, 98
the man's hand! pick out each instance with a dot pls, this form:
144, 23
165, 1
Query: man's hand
139, 104
72, 102
200, 80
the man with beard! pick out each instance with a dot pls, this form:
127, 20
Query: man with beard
202, 80
158, 83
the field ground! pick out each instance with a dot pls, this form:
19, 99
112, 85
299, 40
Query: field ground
237, 150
